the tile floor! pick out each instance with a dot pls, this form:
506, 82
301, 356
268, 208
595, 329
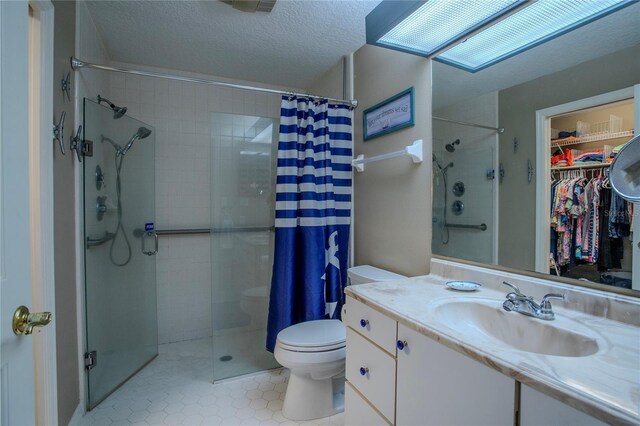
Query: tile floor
176, 389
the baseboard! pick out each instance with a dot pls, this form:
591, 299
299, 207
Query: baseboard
77, 416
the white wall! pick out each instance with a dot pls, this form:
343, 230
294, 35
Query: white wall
182, 116
392, 199
476, 153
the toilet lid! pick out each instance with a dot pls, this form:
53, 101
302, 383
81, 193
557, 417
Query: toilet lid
320, 334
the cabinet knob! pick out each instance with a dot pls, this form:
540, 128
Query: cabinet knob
401, 344
364, 371
364, 323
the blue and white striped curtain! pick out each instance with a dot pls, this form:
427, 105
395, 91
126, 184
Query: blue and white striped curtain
313, 211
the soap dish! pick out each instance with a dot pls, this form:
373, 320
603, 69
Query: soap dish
463, 285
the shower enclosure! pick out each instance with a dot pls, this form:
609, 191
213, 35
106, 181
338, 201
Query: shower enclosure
465, 185
243, 164
120, 244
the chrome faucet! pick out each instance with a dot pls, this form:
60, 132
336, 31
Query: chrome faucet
525, 305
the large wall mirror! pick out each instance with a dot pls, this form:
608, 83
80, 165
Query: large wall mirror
522, 151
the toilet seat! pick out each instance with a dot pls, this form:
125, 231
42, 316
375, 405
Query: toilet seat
313, 336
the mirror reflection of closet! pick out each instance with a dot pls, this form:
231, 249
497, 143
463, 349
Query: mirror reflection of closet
591, 226
501, 170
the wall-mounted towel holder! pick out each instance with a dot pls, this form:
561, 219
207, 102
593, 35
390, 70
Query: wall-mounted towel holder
414, 151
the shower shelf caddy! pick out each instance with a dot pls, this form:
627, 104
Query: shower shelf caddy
414, 151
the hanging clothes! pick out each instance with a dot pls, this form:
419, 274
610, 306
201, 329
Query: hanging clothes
313, 211
589, 222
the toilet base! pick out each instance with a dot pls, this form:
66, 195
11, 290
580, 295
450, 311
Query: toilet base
312, 398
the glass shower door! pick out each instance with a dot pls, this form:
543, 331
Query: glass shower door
470, 194
120, 266
243, 158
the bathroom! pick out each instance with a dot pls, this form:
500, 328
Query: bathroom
204, 179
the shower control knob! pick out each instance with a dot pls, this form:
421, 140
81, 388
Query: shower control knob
364, 323
401, 344
364, 371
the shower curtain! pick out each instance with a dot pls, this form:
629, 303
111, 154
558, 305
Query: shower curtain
313, 213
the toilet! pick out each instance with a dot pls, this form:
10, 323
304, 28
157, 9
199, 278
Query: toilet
315, 353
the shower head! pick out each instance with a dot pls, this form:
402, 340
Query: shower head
142, 133
451, 146
118, 112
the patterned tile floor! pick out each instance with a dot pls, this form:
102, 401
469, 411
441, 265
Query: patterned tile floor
176, 389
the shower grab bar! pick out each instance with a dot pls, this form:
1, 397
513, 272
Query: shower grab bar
414, 151
481, 227
94, 242
193, 231
464, 123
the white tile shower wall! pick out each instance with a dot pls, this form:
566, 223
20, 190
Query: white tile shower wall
90, 48
181, 112
472, 158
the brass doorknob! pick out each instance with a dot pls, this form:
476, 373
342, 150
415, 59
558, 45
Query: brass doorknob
24, 321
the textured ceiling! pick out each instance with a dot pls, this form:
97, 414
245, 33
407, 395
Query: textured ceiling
301, 39
291, 46
615, 32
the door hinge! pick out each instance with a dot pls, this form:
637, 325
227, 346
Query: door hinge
87, 148
90, 360
491, 174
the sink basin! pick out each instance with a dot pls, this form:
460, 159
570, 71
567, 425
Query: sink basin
484, 319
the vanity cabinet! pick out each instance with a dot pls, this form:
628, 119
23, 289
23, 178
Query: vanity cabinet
423, 383
370, 367
437, 386
538, 409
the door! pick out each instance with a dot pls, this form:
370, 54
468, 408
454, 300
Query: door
120, 246
16, 365
243, 156
434, 382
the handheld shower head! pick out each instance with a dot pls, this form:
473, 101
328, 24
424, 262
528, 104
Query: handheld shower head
142, 133
118, 112
451, 146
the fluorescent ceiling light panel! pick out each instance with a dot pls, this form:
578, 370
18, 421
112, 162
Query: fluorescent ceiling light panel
527, 28
422, 28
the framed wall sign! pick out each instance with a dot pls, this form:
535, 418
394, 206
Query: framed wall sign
389, 115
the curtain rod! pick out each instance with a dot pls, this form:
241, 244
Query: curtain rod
77, 64
464, 123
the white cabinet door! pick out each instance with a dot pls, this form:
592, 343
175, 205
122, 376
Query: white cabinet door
439, 386
539, 409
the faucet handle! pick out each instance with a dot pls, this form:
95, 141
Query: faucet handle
545, 305
514, 287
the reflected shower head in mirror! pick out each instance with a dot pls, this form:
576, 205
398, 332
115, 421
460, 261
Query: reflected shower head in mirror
451, 146
142, 133
118, 112
442, 169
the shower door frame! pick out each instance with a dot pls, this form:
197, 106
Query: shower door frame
41, 53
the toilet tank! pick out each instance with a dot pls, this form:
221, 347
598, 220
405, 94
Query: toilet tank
366, 274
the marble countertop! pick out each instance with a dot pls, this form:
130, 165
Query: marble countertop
605, 385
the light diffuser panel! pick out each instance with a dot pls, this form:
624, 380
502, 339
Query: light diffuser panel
529, 27
438, 22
